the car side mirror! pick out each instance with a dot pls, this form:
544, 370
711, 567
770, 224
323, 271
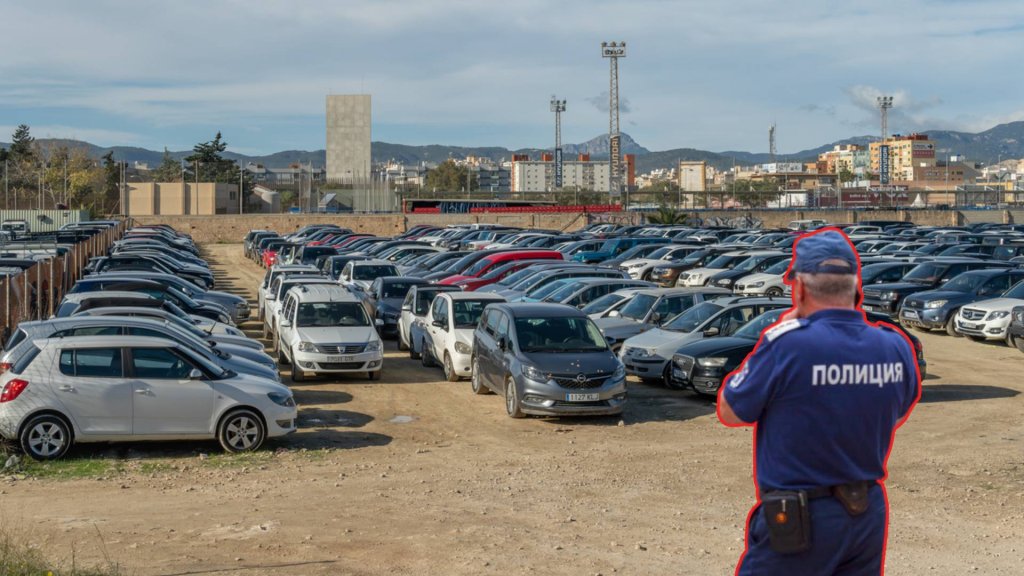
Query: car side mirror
656, 318
614, 314
379, 322
713, 331
439, 324
195, 374
503, 344
286, 323
406, 307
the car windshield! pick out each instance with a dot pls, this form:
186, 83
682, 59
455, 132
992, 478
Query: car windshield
778, 268
1005, 252
517, 277
563, 291
530, 282
397, 289
478, 267
559, 334
548, 288
1016, 291
638, 307
724, 261
603, 303
660, 253
752, 330
330, 314
373, 271
609, 246
689, 321
697, 256
924, 274
965, 283
499, 271
749, 263
871, 271
466, 313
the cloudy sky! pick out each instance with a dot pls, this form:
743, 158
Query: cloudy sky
702, 74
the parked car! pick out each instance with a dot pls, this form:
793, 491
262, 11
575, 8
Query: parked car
769, 282
991, 319
492, 261
649, 308
937, 309
448, 331
121, 388
202, 328
359, 274
236, 306
608, 303
269, 277
1015, 333
580, 291
756, 263
159, 290
414, 309
386, 295
275, 302
886, 298
546, 359
613, 247
325, 329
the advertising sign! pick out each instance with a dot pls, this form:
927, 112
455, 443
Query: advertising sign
883, 164
558, 167
616, 158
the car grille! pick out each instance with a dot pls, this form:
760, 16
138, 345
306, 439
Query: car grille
913, 304
971, 314
573, 382
596, 403
685, 365
339, 365
873, 294
341, 348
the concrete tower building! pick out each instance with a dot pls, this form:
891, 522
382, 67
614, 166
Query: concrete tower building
348, 138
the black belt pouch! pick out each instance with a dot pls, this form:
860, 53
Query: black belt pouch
789, 522
854, 497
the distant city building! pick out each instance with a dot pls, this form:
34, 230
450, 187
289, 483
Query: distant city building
905, 154
291, 175
693, 176
582, 173
263, 200
348, 137
181, 199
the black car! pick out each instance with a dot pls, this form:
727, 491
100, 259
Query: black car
936, 309
886, 298
386, 295
158, 290
702, 365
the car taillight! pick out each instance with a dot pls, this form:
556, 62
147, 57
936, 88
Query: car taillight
13, 389
5, 366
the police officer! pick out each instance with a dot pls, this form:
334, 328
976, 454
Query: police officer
825, 391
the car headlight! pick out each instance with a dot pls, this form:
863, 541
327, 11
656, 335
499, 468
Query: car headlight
888, 296
755, 285
679, 360
724, 282
642, 353
282, 399
619, 373
1018, 316
373, 346
307, 347
534, 374
997, 315
463, 348
935, 304
712, 362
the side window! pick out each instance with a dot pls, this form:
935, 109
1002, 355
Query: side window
407, 303
135, 331
485, 322
91, 362
502, 331
996, 285
159, 363
88, 331
954, 270
443, 311
669, 307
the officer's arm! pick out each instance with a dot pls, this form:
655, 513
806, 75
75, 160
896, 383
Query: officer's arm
727, 416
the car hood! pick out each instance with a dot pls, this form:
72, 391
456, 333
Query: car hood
639, 262
901, 287
952, 296
760, 277
218, 295
997, 304
336, 334
455, 279
603, 362
240, 341
664, 341
250, 384
607, 323
705, 272
251, 354
706, 347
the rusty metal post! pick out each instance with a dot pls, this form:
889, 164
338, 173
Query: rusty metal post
39, 291
26, 297
52, 292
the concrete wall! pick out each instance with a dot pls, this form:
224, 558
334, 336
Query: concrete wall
348, 137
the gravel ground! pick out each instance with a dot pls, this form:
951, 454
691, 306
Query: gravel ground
413, 475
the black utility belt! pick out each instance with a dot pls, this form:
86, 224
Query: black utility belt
788, 518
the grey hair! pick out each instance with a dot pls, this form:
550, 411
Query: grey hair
839, 289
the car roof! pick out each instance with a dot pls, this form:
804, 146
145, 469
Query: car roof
372, 262
54, 323
540, 310
460, 295
406, 279
122, 310
308, 292
81, 296
738, 300
105, 341
689, 290
293, 267
437, 287
601, 280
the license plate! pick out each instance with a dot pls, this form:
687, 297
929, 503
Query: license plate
339, 358
582, 397
680, 375
910, 314
970, 326
868, 308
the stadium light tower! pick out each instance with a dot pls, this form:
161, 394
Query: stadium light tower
558, 106
884, 104
613, 51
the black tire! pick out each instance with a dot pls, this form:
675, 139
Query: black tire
426, 358
1018, 342
282, 358
449, 369
46, 437
513, 407
476, 382
297, 374
951, 327
241, 430
774, 292
413, 354
373, 375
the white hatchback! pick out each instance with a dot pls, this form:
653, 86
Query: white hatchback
126, 388
449, 327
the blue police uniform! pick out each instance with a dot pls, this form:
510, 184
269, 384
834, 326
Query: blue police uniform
826, 393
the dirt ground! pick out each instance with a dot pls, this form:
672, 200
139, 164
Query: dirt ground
413, 475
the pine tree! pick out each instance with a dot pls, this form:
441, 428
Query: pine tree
169, 169
21, 142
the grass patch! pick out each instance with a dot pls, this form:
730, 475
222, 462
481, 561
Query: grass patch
18, 558
71, 468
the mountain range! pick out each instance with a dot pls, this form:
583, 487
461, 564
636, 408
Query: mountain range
1004, 141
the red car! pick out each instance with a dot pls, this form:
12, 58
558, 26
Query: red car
488, 263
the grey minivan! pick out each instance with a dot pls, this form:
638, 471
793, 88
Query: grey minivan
547, 360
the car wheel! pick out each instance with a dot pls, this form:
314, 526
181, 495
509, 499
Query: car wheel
241, 431
951, 327
413, 354
774, 291
449, 369
46, 437
297, 374
373, 375
282, 359
476, 381
426, 357
512, 405
1018, 342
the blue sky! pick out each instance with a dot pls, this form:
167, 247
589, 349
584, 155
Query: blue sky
699, 74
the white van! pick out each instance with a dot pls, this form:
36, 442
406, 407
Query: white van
812, 224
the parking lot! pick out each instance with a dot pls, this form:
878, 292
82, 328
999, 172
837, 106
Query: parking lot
413, 475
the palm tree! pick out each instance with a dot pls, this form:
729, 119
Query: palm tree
666, 215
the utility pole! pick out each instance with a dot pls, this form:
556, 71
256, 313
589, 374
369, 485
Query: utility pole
241, 173
771, 142
884, 104
558, 106
613, 51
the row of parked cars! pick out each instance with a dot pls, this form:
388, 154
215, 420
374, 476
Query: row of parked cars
142, 348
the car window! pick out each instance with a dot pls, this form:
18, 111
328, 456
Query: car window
502, 331
396, 289
467, 312
669, 307
159, 363
996, 285
330, 314
88, 331
437, 309
91, 362
559, 334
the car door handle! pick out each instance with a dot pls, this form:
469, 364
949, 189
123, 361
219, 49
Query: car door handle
143, 391
66, 388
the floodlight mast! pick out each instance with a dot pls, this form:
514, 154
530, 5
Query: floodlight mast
613, 51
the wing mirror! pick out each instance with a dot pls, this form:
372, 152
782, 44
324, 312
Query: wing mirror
406, 307
503, 344
286, 323
195, 374
710, 332
656, 318
614, 314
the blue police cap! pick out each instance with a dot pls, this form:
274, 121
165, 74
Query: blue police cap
826, 252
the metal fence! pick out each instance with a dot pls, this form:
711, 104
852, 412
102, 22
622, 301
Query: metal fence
36, 292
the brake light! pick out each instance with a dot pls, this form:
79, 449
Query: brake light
13, 389
5, 366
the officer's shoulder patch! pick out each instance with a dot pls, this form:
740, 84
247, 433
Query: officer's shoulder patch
788, 326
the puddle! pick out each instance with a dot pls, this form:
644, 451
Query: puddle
402, 419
